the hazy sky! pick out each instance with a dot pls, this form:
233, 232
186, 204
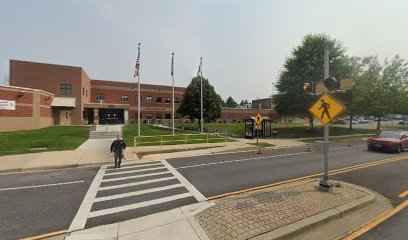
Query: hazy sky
243, 43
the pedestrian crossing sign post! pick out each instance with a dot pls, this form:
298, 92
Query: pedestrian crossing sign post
258, 119
326, 109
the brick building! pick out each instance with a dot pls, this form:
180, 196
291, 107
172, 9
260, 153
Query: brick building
77, 99
263, 103
24, 108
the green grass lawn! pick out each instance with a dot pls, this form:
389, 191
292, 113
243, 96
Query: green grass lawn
54, 138
152, 136
237, 130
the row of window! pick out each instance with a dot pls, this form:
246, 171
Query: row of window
66, 90
158, 116
125, 98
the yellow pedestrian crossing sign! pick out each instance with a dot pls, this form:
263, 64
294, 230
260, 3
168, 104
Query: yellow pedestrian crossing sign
258, 119
326, 109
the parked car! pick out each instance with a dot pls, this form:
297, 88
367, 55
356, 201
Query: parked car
339, 121
395, 141
362, 120
403, 122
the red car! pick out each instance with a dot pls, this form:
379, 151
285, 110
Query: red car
395, 141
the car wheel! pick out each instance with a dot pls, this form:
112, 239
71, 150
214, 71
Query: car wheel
398, 149
370, 148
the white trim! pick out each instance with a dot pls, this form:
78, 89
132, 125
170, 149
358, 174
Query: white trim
38, 186
132, 177
135, 183
200, 197
134, 171
138, 205
86, 205
129, 194
137, 166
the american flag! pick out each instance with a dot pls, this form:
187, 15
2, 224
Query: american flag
199, 67
137, 67
172, 63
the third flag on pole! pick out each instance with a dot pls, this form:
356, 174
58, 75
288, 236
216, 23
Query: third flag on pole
199, 67
137, 67
172, 63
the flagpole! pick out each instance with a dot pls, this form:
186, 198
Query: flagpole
138, 91
138, 104
172, 75
201, 121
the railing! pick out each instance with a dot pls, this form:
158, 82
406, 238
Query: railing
162, 140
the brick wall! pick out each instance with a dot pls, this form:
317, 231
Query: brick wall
49, 77
113, 91
33, 109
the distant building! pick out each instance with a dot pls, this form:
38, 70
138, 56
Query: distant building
263, 103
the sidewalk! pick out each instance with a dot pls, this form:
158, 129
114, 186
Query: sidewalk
97, 152
284, 212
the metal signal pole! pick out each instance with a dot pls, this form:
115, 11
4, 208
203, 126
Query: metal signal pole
325, 184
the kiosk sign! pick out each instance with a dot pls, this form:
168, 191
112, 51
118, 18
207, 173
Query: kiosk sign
7, 105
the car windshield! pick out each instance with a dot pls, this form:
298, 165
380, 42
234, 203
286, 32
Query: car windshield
389, 134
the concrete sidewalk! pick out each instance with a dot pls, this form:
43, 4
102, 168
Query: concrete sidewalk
97, 152
288, 211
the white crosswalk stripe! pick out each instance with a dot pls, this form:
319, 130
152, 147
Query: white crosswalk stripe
132, 191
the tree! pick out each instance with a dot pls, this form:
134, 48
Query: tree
230, 102
381, 90
191, 103
243, 103
305, 64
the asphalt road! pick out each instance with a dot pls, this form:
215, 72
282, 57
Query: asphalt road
218, 174
28, 211
141, 189
389, 180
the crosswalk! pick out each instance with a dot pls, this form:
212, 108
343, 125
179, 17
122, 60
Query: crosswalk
134, 190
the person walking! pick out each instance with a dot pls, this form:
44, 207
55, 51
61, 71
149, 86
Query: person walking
325, 106
117, 147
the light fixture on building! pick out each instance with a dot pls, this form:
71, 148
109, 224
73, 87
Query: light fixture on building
20, 94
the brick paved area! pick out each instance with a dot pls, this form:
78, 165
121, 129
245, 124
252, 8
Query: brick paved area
251, 214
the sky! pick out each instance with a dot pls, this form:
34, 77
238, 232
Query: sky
243, 43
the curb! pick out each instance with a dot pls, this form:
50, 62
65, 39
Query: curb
19, 170
304, 225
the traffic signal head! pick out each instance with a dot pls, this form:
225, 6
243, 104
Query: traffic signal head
308, 87
332, 84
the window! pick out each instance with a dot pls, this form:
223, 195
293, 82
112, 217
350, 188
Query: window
176, 116
100, 97
159, 116
65, 89
137, 99
176, 100
158, 99
124, 98
167, 116
167, 100
149, 116
149, 99
83, 91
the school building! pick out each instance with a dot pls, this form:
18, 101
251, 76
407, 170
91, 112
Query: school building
65, 95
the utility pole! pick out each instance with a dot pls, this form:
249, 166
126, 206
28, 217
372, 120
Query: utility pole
325, 184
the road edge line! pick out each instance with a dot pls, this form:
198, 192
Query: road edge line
46, 235
332, 172
377, 221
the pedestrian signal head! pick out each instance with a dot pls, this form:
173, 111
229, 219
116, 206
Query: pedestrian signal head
332, 84
308, 87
